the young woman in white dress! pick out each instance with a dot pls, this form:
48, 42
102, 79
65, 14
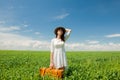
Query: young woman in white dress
58, 54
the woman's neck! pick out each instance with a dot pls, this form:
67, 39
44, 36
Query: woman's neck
59, 37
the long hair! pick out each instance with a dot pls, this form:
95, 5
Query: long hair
60, 28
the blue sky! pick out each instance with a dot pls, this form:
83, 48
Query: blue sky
94, 23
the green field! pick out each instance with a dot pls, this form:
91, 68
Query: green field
83, 65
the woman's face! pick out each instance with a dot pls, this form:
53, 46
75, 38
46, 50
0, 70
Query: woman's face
60, 32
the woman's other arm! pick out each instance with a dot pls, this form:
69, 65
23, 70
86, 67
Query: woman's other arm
51, 54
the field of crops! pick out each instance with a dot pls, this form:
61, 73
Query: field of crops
83, 65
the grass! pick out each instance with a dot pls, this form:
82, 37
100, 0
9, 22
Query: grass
83, 65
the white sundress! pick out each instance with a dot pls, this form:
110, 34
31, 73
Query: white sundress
59, 53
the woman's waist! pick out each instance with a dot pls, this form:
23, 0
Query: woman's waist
59, 48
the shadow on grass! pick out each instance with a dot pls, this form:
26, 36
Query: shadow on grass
68, 72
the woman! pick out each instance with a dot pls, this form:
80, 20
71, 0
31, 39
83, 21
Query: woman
58, 55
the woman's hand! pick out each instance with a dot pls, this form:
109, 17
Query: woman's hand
51, 65
67, 30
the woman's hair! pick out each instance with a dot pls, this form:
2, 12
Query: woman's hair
60, 28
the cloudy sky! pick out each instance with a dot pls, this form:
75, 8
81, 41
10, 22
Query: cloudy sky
29, 24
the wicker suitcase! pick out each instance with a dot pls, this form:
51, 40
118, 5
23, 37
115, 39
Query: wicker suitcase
52, 72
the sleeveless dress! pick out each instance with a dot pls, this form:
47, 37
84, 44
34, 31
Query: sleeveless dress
59, 53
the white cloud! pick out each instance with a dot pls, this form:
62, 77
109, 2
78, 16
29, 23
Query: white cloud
25, 25
93, 47
92, 41
62, 16
112, 35
15, 29
37, 33
19, 42
11, 28
30, 30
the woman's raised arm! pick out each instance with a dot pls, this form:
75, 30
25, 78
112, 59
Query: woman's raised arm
68, 31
